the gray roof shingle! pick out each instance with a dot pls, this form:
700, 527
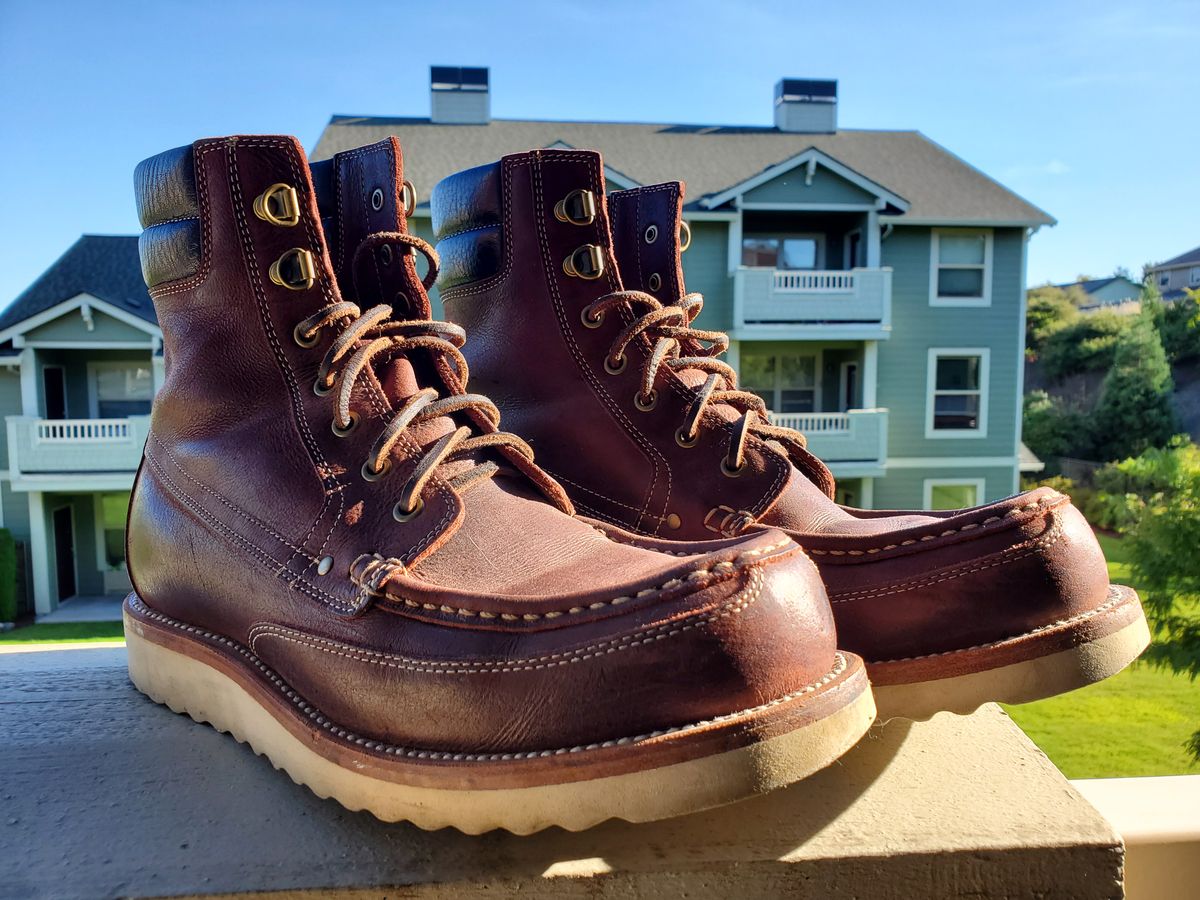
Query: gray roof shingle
710, 158
103, 265
1192, 257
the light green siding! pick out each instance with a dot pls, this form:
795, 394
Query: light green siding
705, 271
905, 488
917, 327
10, 404
71, 327
422, 227
791, 187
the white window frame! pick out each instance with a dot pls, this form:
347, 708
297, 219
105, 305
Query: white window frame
979, 484
934, 265
985, 368
1194, 276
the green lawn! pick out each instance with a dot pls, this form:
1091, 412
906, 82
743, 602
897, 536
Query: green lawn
64, 632
1135, 723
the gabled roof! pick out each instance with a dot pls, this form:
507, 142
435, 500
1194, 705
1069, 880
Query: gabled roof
1191, 258
937, 185
1091, 285
105, 266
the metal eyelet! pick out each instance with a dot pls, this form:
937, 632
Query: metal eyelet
400, 300
278, 205
618, 368
301, 340
377, 199
654, 282
408, 196
403, 515
674, 522
731, 471
645, 404
685, 236
295, 270
683, 440
369, 472
385, 254
577, 208
322, 390
343, 432
651, 234
589, 321
586, 262
325, 565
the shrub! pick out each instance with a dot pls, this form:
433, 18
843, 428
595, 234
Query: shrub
1135, 411
1050, 429
1087, 344
8, 576
1048, 309
1180, 327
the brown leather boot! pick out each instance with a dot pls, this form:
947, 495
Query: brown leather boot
632, 410
341, 559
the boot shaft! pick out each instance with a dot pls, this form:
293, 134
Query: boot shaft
528, 246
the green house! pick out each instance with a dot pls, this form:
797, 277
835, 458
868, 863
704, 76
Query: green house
80, 360
872, 282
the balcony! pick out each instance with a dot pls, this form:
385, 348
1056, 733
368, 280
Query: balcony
796, 304
852, 443
85, 454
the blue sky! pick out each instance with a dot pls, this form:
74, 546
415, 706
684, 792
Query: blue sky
1088, 109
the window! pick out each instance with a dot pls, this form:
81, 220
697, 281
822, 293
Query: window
790, 252
953, 493
111, 515
120, 389
961, 268
1164, 278
787, 382
957, 392
1194, 276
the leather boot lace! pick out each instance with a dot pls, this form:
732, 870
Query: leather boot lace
369, 338
676, 345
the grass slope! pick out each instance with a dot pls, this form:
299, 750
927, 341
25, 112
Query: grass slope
1135, 723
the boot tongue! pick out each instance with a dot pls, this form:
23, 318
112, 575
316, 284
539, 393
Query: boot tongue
360, 193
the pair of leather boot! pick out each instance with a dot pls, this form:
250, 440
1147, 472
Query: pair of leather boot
341, 558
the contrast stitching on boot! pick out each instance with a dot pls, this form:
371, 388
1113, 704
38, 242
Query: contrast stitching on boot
727, 567
581, 487
272, 565
261, 526
991, 520
581, 362
463, 231
736, 604
1116, 599
840, 666
1044, 542
202, 202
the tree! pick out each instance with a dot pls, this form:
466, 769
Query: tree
1135, 411
1162, 547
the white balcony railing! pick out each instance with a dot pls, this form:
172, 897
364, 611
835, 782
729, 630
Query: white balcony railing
856, 297
69, 447
815, 282
91, 430
859, 435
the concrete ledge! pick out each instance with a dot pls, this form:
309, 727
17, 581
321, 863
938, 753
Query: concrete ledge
105, 794
1159, 818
